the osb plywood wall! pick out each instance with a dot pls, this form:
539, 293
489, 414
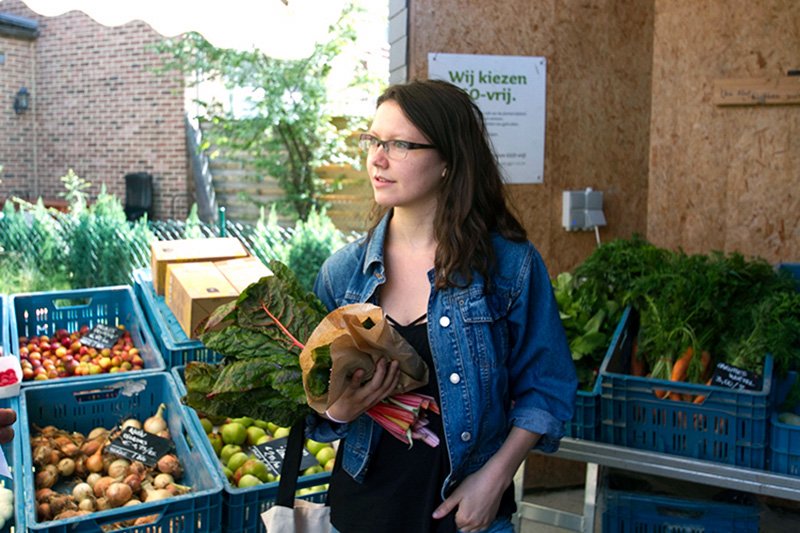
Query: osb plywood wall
629, 112
724, 178
599, 55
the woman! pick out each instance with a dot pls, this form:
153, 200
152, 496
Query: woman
453, 271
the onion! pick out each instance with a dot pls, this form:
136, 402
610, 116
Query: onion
169, 464
118, 494
157, 494
131, 422
66, 467
82, 491
47, 477
132, 501
162, 480
92, 478
87, 504
102, 485
118, 469
98, 432
43, 512
156, 423
94, 463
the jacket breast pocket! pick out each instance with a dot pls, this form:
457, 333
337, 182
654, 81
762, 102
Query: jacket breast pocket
484, 331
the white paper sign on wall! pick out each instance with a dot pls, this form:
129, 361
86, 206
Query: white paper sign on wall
510, 91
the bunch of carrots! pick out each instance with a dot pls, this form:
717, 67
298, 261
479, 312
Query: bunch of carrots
679, 372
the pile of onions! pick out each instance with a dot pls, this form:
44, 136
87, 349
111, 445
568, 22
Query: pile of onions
99, 480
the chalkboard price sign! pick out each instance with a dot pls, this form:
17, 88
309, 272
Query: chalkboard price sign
271, 454
101, 336
729, 376
136, 444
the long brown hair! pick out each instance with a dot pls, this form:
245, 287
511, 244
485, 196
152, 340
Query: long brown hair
472, 202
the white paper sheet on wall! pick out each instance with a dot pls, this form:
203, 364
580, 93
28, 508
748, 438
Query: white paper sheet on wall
510, 91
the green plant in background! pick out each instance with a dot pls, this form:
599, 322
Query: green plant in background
102, 243
307, 246
89, 246
288, 132
32, 249
312, 242
268, 241
191, 230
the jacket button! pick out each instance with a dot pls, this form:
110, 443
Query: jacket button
466, 436
444, 321
455, 378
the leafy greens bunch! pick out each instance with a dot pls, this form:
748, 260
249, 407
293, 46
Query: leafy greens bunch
260, 374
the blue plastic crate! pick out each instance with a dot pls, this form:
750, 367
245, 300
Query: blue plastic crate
45, 312
84, 406
585, 424
13, 454
629, 512
784, 441
793, 269
729, 426
242, 508
176, 347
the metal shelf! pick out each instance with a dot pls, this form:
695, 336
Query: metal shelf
672, 466
596, 454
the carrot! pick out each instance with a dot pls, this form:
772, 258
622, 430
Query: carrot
681, 366
705, 359
637, 362
700, 398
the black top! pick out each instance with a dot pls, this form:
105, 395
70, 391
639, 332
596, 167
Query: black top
401, 488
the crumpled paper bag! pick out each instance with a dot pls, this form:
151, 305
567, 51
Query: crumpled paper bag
352, 346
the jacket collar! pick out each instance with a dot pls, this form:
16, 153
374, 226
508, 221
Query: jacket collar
374, 252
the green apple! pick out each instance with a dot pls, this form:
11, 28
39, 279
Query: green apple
280, 432
246, 421
233, 433
262, 440
254, 467
216, 442
227, 451
236, 461
311, 470
253, 434
328, 467
208, 426
227, 473
248, 480
314, 446
271, 426
263, 424
325, 454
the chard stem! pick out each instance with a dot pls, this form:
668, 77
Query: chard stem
283, 328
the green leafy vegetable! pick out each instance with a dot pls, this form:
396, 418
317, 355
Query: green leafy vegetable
257, 334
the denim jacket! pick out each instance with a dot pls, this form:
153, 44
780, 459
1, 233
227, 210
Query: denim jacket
501, 359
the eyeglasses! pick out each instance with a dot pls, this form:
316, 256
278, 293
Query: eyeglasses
396, 150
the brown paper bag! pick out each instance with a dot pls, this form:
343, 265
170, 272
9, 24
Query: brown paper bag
353, 346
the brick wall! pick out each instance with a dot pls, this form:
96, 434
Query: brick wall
98, 107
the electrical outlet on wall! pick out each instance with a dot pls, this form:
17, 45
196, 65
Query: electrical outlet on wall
582, 209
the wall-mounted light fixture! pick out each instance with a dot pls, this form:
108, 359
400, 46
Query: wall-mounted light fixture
22, 101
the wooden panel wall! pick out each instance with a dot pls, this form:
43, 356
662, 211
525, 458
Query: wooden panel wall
724, 178
599, 55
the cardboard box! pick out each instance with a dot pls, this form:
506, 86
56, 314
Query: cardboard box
194, 290
164, 253
241, 273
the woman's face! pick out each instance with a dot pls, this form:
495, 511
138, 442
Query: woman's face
410, 182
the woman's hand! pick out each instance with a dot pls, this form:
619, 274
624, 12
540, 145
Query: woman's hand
477, 499
478, 496
358, 397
